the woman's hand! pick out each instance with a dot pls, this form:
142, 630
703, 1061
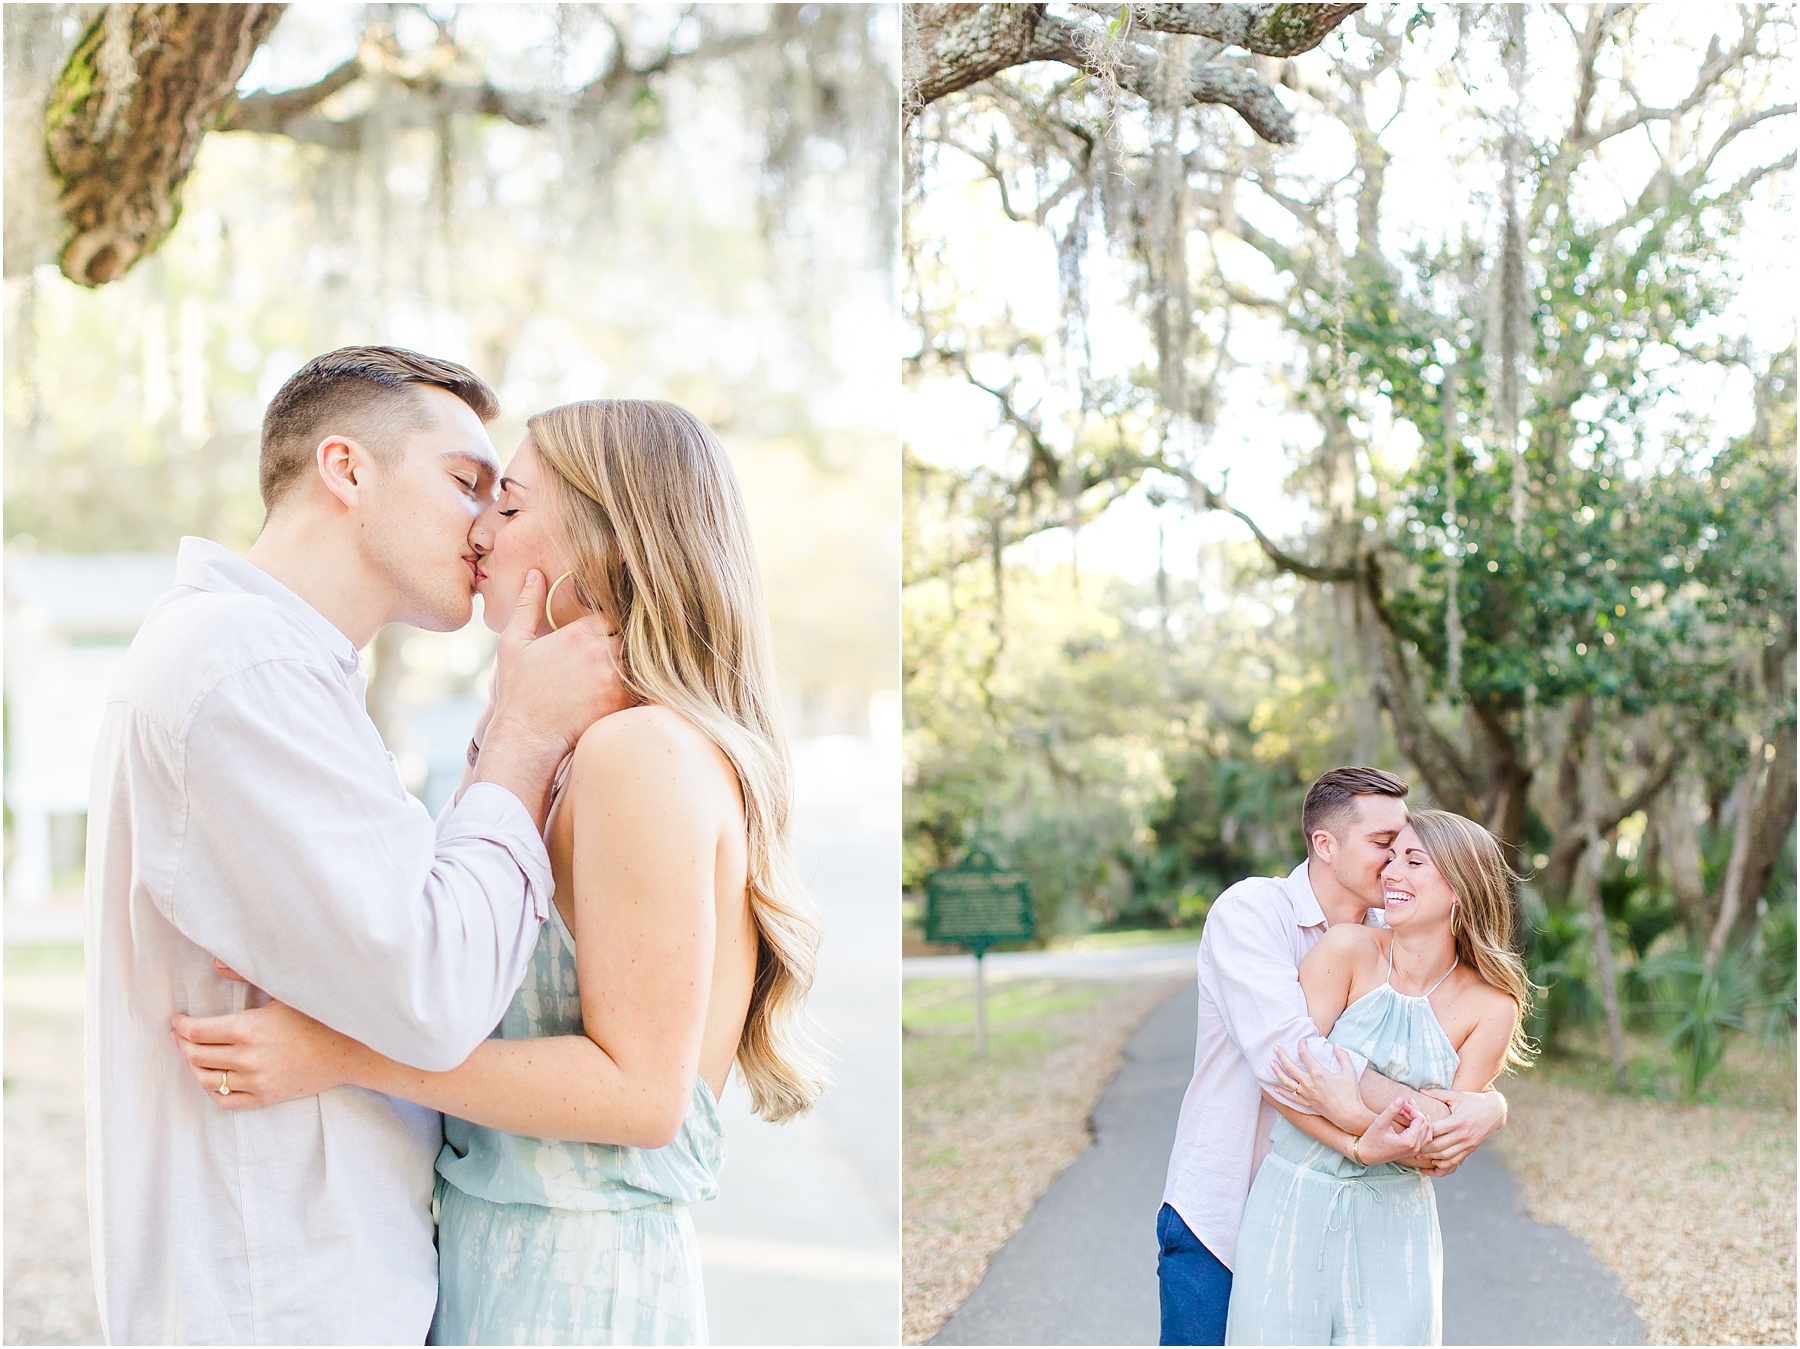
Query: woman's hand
1398, 1131
266, 1055
1330, 1090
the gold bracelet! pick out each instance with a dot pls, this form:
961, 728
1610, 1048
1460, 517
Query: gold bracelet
1356, 1152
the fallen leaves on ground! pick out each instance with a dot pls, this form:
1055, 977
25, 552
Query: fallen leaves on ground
983, 1139
1692, 1205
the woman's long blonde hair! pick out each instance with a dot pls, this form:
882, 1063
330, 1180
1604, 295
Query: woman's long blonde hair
1486, 919
661, 543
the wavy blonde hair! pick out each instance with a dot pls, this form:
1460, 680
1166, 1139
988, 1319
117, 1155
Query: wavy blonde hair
1485, 923
661, 542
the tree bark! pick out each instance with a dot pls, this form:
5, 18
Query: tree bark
1674, 820
125, 120
950, 47
1588, 883
1587, 880
1774, 821
1731, 895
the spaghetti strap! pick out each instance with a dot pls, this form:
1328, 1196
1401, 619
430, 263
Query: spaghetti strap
1388, 978
1440, 983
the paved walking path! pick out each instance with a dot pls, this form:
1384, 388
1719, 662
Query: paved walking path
1082, 1270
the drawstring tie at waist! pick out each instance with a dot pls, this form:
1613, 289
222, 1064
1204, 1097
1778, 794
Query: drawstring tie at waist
1335, 1221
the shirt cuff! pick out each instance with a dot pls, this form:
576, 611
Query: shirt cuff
491, 813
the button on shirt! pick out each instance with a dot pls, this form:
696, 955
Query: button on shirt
244, 807
1250, 1002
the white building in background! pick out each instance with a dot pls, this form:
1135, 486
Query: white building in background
69, 620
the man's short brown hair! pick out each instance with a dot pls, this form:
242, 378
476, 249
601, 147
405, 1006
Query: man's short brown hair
1331, 799
365, 392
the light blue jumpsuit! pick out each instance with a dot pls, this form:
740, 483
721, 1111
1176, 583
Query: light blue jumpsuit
1335, 1253
548, 1242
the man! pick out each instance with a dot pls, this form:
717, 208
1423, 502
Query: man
244, 808
1251, 1006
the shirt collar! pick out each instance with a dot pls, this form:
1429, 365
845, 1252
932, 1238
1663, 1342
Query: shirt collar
205, 565
1307, 912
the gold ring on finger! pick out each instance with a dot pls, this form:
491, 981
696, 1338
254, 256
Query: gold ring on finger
224, 1081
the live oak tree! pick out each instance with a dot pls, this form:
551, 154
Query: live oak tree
952, 47
108, 105
1571, 602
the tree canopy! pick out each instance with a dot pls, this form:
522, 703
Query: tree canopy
1532, 444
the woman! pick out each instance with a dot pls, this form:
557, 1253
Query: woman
680, 941
1340, 1242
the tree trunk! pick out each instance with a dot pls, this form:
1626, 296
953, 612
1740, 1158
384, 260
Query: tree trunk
126, 117
1678, 831
1731, 896
1587, 881
38, 41
1774, 821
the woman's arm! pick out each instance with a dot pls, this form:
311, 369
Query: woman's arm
1482, 1053
1328, 970
1325, 1080
645, 800
1394, 1135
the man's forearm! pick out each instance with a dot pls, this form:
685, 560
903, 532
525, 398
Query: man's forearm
1378, 1092
513, 758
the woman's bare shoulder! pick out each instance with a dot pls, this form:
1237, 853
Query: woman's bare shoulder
1492, 1001
1351, 944
1353, 938
647, 746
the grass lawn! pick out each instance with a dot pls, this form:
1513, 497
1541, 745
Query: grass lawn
1691, 1203
1113, 941
983, 1138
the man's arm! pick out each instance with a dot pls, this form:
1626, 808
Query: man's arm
1266, 1016
343, 900
1246, 954
306, 868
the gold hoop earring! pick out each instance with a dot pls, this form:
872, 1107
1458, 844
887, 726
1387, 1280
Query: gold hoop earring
550, 600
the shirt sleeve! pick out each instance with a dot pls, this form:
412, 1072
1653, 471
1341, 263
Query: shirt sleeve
307, 868
1257, 986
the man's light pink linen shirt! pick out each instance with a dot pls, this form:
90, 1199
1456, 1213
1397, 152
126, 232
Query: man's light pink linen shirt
1250, 1002
244, 807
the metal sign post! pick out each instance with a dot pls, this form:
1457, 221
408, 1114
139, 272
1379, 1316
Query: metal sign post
977, 905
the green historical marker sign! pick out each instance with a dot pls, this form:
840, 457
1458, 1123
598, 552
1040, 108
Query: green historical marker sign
977, 905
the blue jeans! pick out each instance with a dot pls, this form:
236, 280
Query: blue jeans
1195, 1287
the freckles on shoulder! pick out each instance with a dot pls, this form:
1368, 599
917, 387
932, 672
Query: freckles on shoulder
649, 750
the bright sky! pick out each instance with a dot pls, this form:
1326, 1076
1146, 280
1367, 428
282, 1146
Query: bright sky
1439, 181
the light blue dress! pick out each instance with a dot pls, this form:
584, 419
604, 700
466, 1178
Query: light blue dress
548, 1242
1335, 1253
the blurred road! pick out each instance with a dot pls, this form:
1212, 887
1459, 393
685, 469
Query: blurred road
803, 1245
1082, 1270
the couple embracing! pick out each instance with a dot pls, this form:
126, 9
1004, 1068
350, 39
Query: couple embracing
1342, 1061
300, 1130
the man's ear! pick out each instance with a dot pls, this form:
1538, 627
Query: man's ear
341, 464
1323, 845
